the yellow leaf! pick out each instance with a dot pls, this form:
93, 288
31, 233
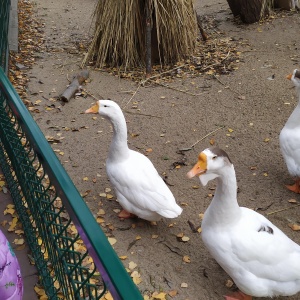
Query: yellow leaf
137, 280
85, 178
100, 220
108, 296
135, 274
186, 259
109, 196
123, 257
230, 130
9, 211
13, 224
112, 241
19, 241
132, 265
154, 236
161, 296
138, 237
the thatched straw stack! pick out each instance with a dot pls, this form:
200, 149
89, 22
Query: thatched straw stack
120, 32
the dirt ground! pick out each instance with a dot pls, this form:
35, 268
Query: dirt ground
244, 101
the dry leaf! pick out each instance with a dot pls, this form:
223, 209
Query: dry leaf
229, 283
295, 227
173, 293
132, 265
112, 241
292, 201
184, 285
186, 259
161, 296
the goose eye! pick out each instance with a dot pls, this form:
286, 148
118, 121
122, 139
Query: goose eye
214, 157
105, 105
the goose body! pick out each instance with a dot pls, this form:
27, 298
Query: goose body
289, 139
258, 256
138, 187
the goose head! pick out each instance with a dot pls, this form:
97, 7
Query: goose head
210, 165
106, 108
295, 78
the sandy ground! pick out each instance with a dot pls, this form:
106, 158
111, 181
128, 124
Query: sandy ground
246, 101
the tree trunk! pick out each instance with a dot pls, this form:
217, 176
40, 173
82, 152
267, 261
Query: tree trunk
249, 11
235, 6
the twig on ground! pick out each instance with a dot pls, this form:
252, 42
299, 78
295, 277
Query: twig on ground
141, 114
226, 85
132, 95
282, 209
160, 74
210, 133
178, 90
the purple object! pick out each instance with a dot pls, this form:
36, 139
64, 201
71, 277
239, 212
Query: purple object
11, 284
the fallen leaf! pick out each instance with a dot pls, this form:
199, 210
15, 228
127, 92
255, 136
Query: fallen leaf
229, 283
112, 241
19, 241
184, 285
186, 259
132, 265
173, 293
161, 296
292, 201
294, 227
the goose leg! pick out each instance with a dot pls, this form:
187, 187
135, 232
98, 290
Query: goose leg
124, 214
238, 296
295, 187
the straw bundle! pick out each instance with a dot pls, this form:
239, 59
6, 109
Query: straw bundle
120, 32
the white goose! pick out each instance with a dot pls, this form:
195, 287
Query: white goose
289, 138
259, 257
138, 186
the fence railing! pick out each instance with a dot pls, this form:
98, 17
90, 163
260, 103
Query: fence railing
4, 22
72, 254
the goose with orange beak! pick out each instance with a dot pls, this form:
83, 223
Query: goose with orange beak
289, 138
258, 256
138, 187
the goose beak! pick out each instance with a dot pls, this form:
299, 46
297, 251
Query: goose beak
200, 167
93, 110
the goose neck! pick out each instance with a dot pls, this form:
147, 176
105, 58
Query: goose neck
224, 208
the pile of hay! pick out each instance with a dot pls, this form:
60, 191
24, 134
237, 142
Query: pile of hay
120, 32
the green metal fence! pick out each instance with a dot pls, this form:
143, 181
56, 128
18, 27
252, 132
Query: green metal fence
4, 20
72, 254
48, 204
